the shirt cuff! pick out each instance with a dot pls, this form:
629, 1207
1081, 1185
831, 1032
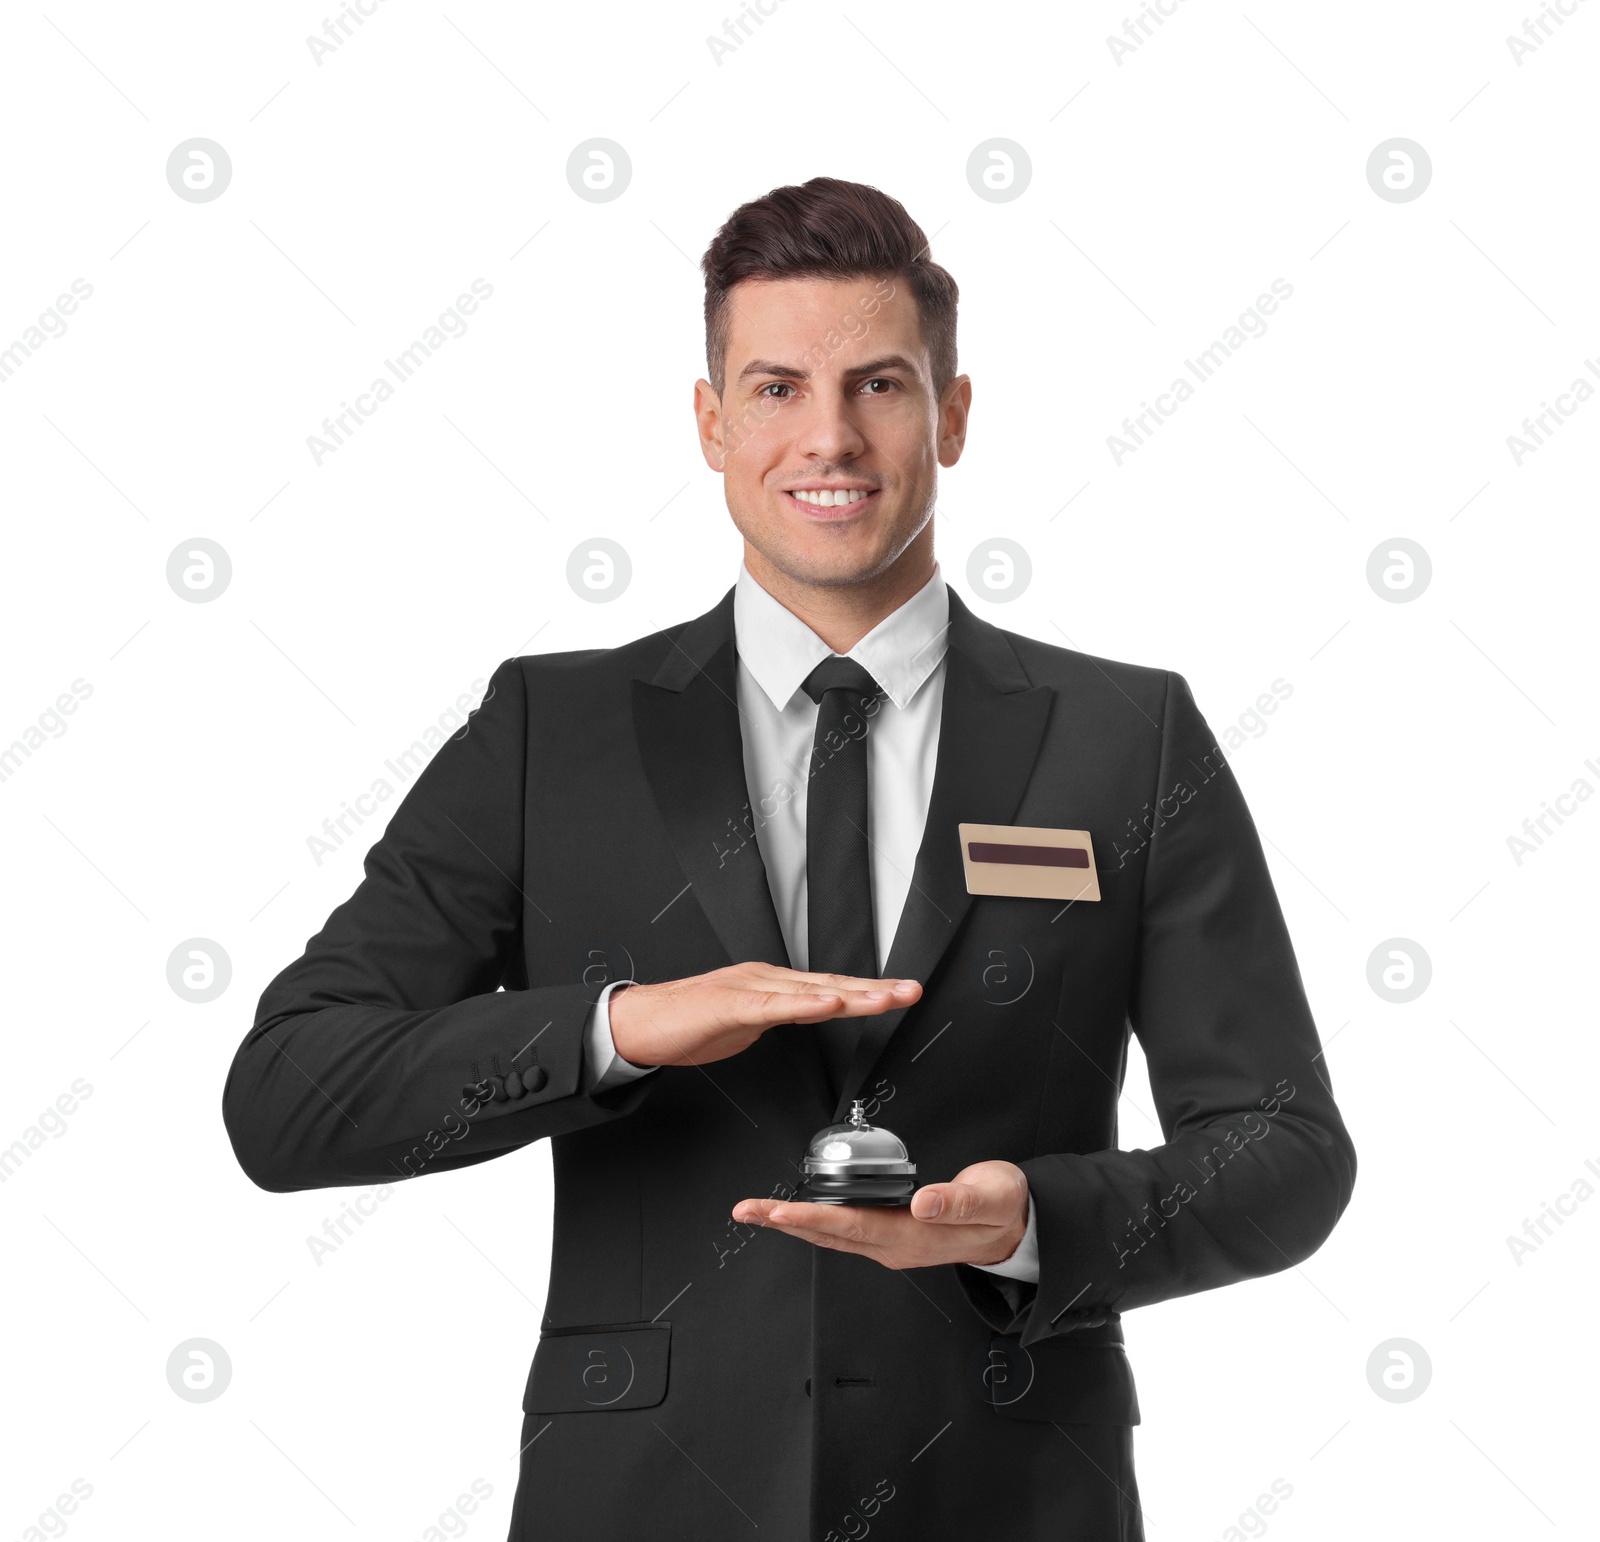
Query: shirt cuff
606, 1066
1024, 1263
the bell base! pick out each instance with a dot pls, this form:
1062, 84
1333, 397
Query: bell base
817, 1190
901, 1201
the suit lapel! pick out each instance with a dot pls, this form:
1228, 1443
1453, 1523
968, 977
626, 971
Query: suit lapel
686, 722
990, 729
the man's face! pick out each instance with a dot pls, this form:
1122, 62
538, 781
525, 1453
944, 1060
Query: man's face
829, 432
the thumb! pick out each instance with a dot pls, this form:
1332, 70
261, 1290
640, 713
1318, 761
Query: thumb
985, 1194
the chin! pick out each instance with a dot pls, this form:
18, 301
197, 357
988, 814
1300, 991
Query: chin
829, 556
836, 562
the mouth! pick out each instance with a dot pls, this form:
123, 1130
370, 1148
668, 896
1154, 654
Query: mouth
832, 503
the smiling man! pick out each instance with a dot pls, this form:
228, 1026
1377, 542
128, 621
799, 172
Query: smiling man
676, 905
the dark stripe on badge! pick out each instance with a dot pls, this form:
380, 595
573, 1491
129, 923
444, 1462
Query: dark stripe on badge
1028, 856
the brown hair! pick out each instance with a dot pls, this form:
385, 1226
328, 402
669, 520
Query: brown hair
826, 228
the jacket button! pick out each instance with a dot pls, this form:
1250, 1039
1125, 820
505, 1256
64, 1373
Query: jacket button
497, 1088
808, 1386
514, 1085
534, 1078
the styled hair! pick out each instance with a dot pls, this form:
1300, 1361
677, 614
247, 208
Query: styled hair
826, 228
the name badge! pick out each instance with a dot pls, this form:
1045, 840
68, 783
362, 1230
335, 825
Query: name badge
1029, 862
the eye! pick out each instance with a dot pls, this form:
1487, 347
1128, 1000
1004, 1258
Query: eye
880, 380
775, 385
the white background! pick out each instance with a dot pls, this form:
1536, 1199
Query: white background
368, 592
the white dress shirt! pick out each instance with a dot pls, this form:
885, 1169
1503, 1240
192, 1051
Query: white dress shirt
905, 654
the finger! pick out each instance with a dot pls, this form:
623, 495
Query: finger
876, 1234
843, 986
868, 999
856, 982
793, 1214
769, 1008
758, 1212
845, 1227
809, 977
991, 1200
868, 1003
864, 1224
772, 1008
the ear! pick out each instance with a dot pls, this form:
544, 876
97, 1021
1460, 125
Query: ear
955, 402
708, 424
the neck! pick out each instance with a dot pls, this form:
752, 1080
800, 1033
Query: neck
842, 614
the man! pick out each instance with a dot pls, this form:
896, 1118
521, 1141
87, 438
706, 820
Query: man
764, 818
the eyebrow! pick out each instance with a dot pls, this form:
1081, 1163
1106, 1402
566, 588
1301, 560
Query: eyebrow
890, 361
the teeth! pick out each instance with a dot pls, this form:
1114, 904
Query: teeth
830, 497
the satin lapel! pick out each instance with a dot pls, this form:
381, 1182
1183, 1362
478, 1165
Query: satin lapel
990, 728
686, 722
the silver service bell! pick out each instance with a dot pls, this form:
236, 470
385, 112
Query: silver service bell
856, 1163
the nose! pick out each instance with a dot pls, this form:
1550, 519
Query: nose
831, 433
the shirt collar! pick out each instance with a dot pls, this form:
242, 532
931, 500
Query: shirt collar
780, 650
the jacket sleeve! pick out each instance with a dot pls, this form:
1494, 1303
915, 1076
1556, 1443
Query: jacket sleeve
388, 1049
1256, 1165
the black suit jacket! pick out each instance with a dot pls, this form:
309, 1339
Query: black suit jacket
694, 1376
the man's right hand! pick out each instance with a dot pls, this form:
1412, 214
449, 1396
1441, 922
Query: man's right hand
712, 1016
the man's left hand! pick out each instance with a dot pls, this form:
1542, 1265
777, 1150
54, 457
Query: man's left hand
979, 1217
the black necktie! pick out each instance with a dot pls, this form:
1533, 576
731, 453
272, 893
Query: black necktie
840, 936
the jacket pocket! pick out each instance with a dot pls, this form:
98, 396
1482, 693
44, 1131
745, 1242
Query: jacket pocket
1061, 1381
600, 1367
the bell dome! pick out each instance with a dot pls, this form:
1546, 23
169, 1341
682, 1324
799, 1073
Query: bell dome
858, 1144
